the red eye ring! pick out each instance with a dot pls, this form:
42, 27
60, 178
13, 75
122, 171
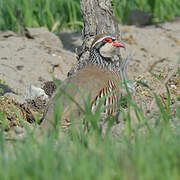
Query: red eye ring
107, 40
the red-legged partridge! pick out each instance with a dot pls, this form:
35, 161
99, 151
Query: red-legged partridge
99, 78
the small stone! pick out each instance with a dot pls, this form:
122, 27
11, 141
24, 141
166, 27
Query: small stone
34, 92
173, 86
19, 130
19, 67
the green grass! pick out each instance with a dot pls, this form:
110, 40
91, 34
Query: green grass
145, 150
155, 156
35, 13
58, 14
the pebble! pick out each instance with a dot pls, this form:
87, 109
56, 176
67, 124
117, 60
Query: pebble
19, 130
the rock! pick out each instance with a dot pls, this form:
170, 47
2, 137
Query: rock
19, 130
47, 38
34, 92
139, 18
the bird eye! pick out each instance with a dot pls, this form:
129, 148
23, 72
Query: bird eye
107, 40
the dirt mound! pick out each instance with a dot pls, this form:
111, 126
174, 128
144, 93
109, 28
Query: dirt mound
25, 61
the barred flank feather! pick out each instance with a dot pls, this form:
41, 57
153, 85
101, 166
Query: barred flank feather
109, 93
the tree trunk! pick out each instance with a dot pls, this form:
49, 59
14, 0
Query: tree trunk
98, 18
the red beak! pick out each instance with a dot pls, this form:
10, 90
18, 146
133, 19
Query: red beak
117, 44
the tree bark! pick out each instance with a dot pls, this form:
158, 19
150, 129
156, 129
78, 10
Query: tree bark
98, 18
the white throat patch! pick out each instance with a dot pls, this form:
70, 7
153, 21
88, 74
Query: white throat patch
108, 50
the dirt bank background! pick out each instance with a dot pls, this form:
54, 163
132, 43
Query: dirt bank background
32, 61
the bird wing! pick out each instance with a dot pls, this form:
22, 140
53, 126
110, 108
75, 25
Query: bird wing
89, 82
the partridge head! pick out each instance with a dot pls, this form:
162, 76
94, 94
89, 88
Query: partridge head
98, 78
106, 44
